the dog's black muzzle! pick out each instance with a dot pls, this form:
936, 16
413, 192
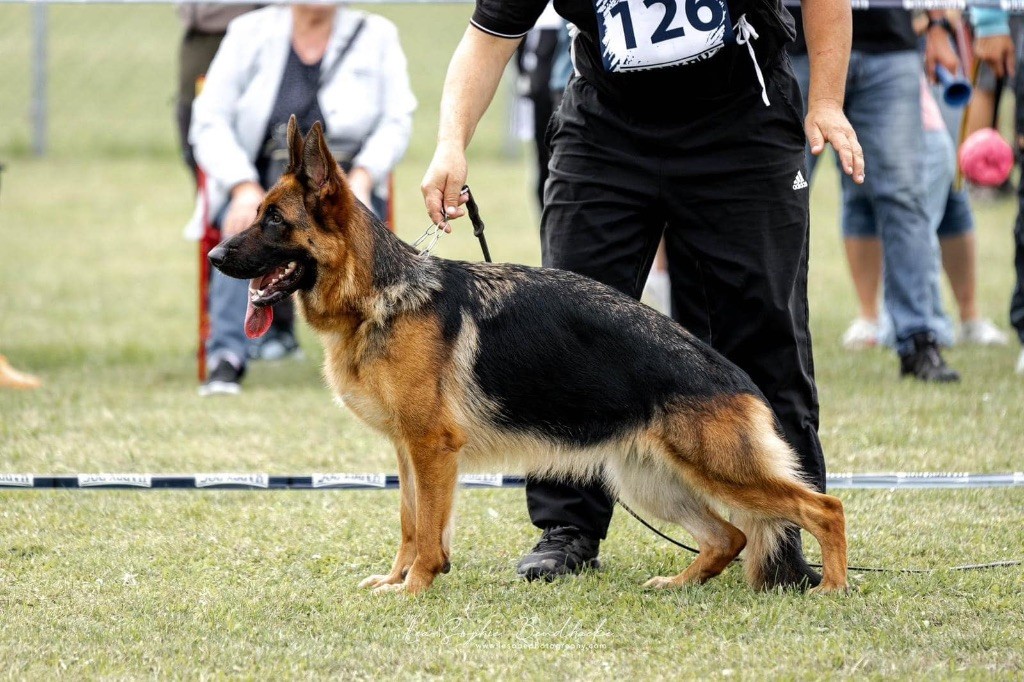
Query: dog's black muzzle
218, 256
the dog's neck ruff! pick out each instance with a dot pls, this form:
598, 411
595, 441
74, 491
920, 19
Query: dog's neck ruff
383, 278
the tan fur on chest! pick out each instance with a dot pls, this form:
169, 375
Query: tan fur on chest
390, 378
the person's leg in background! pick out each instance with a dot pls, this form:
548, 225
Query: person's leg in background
884, 107
227, 348
957, 242
195, 53
863, 249
981, 111
536, 61
939, 159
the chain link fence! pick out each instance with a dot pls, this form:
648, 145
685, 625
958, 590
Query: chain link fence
96, 79
84, 80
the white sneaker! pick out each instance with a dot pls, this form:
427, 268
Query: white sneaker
982, 333
860, 335
1020, 363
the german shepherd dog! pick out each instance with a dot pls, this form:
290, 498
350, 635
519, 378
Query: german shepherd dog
504, 367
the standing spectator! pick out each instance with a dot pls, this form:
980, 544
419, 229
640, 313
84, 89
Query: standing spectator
884, 104
995, 47
951, 223
204, 27
338, 65
712, 170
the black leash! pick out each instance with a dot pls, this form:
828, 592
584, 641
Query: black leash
859, 569
478, 223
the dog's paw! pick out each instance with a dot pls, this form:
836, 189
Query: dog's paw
661, 583
411, 587
375, 581
416, 584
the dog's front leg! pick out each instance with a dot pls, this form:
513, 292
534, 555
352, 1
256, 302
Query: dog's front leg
407, 549
434, 460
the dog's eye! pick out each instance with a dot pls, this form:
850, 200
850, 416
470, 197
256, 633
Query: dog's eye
273, 219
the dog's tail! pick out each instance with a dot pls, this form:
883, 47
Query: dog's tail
765, 537
768, 559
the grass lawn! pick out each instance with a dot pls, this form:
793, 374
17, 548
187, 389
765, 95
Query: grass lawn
98, 298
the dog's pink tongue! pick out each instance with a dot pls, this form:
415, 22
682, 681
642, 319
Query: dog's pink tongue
257, 320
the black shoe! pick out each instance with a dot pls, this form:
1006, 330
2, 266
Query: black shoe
560, 551
925, 361
225, 379
788, 569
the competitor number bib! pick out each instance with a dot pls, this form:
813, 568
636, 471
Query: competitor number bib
651, 34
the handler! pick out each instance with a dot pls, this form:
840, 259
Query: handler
682, 118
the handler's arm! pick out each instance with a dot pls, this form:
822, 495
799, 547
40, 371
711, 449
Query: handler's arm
473, 76
828, 27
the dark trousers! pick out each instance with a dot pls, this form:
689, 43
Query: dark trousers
536, 57
194, 56
718, 180
1017, 298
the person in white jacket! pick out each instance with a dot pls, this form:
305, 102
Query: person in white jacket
341, 66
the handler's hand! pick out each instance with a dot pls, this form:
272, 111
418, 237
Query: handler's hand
442, 185
826, 122
361, 183
997, 52
245, 202
938, 50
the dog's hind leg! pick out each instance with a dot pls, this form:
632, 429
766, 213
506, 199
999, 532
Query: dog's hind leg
719, 542
730, 451
407, 549
663, 493
764, 514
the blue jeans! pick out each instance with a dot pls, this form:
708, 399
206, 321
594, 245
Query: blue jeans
939, 169
883, 103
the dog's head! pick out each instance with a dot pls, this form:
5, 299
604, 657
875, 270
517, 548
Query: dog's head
300, 231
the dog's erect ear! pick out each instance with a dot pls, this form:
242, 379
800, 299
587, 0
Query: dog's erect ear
318, 165
294, 146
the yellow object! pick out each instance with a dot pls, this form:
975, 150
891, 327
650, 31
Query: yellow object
12, 378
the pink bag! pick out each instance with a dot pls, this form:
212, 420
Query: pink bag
986, 158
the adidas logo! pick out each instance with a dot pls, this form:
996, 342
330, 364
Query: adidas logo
798, 181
